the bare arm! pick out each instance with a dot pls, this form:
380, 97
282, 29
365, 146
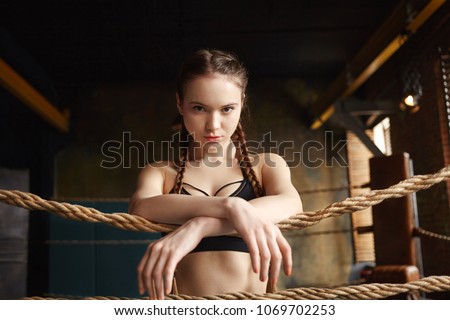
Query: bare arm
281, 200
149, 201
253, 220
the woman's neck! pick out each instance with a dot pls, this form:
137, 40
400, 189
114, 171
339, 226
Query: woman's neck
213, 154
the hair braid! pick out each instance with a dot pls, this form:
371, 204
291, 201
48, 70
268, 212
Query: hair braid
184, 146
244, 160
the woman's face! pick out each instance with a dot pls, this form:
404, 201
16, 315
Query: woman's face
211, 109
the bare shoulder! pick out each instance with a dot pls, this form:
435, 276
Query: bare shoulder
155, 168
153, 177
274, 173
271, 161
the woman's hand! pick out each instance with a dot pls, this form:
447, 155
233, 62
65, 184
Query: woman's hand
267, 245
268, 248
157, 267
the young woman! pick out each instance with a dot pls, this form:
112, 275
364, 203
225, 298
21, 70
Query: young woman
216, 191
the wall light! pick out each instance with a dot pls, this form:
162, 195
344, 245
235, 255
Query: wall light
410, 103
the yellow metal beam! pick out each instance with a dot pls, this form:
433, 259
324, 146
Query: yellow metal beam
342, 88
23, 91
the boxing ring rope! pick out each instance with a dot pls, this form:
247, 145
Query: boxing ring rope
299, 221
419, 232
361, 292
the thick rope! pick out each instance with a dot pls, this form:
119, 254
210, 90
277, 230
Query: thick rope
425, 233
366, 200
361, 292
69, 211
299, 221
364, 291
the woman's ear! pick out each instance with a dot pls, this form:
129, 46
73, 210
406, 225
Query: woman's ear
180, 109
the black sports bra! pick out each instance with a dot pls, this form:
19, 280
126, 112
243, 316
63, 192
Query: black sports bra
224, 243
244, 191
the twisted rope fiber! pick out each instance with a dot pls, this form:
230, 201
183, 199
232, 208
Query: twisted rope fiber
362, 292
365, 291
69, 211
366, 200
299, 221
425, 233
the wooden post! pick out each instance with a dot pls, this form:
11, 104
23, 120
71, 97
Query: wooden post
393, 219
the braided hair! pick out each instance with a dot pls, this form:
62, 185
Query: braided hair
205, 62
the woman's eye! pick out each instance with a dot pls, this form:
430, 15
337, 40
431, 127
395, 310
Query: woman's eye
227, 109
199, 108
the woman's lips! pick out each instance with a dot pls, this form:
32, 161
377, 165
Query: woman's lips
212, 138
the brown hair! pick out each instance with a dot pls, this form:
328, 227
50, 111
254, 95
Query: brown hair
207, 62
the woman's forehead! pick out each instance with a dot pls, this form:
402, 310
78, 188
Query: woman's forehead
211, 88
214, 78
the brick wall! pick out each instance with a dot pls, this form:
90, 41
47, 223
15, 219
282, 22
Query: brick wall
424, 135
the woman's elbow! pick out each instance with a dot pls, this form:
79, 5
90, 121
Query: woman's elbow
134, 208
144, 208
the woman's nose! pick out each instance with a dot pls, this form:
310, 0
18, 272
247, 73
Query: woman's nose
213, 122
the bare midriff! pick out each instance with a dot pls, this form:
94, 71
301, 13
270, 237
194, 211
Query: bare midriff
216, 272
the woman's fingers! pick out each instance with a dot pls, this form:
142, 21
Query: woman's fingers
140, 282
157, 267
157, 276
169, 275
266, 244
163, 274
152, 290
148, 273
274, 250
268, 249
275, 262
148, 280
265, 256
254, 253
140, 270
286, 252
